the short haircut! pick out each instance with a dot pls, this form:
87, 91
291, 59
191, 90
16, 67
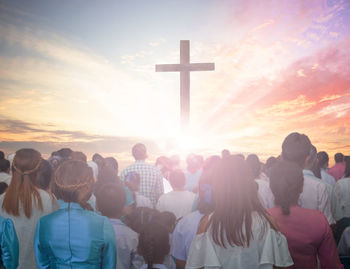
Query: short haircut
339, 157
322, 158
4, 165
295, 148
111, 199
139, 151
177, 179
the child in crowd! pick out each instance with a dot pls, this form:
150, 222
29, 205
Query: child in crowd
154, 245
8, 244
132, 181
74, 236
179, 201
110, 201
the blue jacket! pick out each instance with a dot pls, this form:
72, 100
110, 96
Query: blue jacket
8, 244
73, 237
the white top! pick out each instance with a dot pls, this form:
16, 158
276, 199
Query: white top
178, 202
266, 249
327, 177
192, 179
183, 235
25, 227
127, 241
142, 201
344, 243
4, 177
265, 194
341, 199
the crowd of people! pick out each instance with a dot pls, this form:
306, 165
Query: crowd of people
228, 211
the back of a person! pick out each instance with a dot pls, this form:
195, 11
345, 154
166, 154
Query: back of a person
337, 171
73, 237
304, 229
178, 202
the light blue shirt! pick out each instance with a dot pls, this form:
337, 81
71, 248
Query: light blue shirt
8, 244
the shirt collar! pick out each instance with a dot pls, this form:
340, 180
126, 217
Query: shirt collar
308, 172
65, 205
116, 221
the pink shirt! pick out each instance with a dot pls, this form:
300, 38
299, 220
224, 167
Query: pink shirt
337, 171
308, 235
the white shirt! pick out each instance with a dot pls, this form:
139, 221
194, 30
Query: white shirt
183, 235
266, 249
344, 243
265, 194
4, 177
192, 179
142, 201
327, 177
178, 202
127, 241
341, 199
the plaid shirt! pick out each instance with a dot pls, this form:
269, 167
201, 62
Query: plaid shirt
151, 180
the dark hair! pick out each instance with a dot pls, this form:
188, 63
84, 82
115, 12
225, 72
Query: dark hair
254, 164
139, 151
236, 199
167, 219
286, 183
2, 155
322, 162
99, 160
139, 217
23, 188
73, 182
295, 148
112, 162
45, 175
3, 187
4, 165
105, 176
64, 153
339, 157
111, 199
312, 160
78, 156
347, 166
153, 243
177, 179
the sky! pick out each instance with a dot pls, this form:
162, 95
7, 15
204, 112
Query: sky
81, 74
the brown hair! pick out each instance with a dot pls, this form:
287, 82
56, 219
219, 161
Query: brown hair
23, 187
73, 182
236, 199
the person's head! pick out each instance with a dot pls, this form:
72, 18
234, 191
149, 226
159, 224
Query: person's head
110, 200
192, 162
139, 152
323, 159
177, 179
3, 187
286, 183
236, 198
99, 160
105, 176
23, 187
4, 166
153, 244
225, 153
339, 157
45, 175
268, 165
254, 164
2, 155
73, 183
164, 164
347, 166
65, 153
78, 156
311, 160
132, 181
139, 217
112, 162
167, 219
296, 148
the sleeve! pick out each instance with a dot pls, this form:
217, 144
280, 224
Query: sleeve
202, 253
324, 203
274, 250
9, 245
177, 244
109, 253
41, 258
327, 252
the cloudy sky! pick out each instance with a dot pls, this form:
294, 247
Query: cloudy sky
81, 74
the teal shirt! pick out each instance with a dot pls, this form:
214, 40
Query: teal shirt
8, 244
73, 237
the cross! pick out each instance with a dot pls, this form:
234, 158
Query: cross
185, 67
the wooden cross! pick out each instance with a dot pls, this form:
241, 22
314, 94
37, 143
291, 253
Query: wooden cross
185, 67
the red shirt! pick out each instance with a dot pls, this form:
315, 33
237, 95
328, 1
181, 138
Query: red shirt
337, 171
308, 235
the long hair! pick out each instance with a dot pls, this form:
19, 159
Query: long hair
286, 183
73, 182
23, 188
236, 199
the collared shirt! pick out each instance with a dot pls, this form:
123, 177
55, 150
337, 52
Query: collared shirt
127, 241
341, 199
151, 179
337, 171
310, 174
327, 177
265, 194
